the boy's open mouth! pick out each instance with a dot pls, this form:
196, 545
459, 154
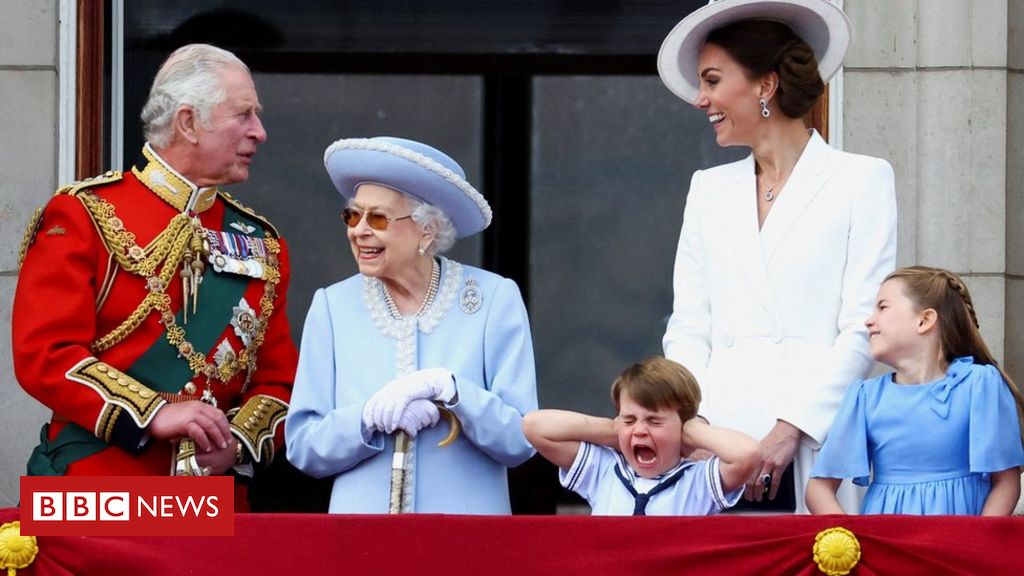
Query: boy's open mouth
644, 455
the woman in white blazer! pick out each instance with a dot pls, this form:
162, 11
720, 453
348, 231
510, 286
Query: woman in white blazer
781, 253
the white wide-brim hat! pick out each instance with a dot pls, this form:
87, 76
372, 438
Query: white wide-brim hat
413, 168
820, 23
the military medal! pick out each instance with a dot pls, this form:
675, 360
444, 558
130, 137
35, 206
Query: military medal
208, 397
225, 354
244, 321
237, 253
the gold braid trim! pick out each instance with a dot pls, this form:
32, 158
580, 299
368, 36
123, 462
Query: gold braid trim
254, 425
105, 424
167, 251
132, 322
75, 188
118, 389
129, 255
30, 234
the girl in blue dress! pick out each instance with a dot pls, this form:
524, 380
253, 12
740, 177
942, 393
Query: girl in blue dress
941, 434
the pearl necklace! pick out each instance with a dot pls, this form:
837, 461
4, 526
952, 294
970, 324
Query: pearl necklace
435, 281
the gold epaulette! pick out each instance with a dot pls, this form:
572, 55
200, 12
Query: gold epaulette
106, 178
36, 221
249, 212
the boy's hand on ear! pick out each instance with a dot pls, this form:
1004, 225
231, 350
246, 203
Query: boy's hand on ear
617, 424
688, 449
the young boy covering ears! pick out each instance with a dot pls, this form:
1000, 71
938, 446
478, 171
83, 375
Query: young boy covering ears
633, 465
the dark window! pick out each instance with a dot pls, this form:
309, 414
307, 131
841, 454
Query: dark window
556, 113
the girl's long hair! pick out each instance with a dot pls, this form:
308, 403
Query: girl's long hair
946, 293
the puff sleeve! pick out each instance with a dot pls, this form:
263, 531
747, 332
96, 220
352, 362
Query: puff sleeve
995, 440
845, 451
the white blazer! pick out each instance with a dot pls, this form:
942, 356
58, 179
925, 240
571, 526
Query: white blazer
771, 321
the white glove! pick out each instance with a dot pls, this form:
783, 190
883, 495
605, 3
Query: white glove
384, 409
418, 414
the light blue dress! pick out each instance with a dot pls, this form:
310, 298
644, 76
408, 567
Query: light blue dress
477, 327
930, 448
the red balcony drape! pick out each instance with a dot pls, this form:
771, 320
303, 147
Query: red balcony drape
287, 544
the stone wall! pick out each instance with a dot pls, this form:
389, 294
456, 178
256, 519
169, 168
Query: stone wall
28, 169
928, 86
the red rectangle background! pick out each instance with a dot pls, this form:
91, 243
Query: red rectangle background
209, 513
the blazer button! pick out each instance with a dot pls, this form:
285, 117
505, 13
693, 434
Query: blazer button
777, 338
727, 341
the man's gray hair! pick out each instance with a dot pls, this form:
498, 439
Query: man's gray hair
189, 77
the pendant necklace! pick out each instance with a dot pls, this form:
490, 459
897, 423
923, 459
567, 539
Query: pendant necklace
769, 191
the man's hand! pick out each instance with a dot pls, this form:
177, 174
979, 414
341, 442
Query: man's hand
199, 421
219, 460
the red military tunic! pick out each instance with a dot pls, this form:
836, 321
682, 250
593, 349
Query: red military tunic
101, 337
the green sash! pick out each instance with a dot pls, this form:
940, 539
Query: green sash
71, 444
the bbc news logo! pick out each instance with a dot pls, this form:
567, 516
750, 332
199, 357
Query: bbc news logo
81, 506
127, 506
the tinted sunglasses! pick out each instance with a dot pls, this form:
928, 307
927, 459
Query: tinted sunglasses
375, 220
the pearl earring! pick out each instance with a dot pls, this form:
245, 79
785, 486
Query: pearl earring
765, 112
421, 251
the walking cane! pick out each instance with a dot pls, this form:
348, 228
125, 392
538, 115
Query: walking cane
400, 468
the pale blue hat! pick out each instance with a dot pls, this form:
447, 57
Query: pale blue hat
413, 168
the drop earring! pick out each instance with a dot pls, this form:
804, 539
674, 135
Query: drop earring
765, 112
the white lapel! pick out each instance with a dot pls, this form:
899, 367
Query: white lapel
743, 232
808, 177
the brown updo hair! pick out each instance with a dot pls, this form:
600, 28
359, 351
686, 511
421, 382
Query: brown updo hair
763, 46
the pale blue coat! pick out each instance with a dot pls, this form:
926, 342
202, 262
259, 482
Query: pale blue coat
346, 356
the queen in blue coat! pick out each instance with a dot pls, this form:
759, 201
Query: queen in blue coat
412, 337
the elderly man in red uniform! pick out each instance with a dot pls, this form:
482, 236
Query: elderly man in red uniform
150, 308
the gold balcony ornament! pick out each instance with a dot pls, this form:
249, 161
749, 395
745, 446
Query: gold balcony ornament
836, 551
16, 551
